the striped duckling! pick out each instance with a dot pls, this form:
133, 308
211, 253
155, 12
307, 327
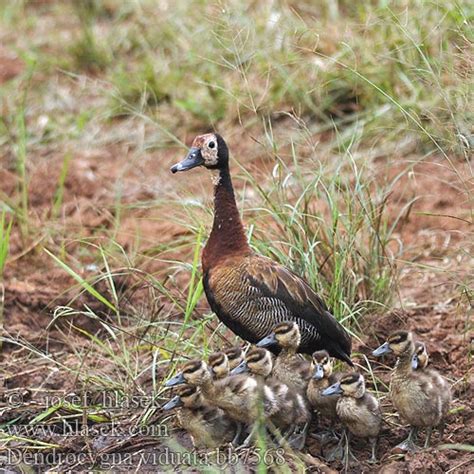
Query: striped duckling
289, 367
208, 426
241, 396
417, 393
293, 415
358, 410
322, 378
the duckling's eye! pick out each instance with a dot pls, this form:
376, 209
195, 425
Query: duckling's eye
211, 145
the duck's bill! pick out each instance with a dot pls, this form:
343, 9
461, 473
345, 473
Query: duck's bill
175, 402
267, 341
193, 159
176, 380
332, 390
414, 362
240, 369
318, 372
383, 349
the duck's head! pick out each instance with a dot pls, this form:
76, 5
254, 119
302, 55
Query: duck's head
420, 357
286, 335
195, 372
258, 361
219, 365
321, 365
209, 150
350, 385
398, 343
188, 396
234, 356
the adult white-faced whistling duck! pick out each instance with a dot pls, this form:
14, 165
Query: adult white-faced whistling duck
208, 426
289, 367
250, 293
358, 410
420, 396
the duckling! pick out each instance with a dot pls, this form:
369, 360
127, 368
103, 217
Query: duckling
289, 367
322, 378
208, 426
293, 415
420, 362
219, 364
250, 293
358, 410
240, 396
416, 395
235, 356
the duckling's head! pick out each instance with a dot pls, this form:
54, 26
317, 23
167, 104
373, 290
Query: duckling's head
287, 335
188, 396
195, 372
420, 357
235, 356
258, 361
350, 385
399, 342
209, 150
219, 365
321, 365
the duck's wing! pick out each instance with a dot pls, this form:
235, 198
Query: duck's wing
275, 283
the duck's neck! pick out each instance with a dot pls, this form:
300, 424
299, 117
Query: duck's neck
227, 236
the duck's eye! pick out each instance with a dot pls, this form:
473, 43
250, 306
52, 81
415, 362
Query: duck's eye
211, 145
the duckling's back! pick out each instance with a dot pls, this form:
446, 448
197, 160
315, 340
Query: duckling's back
416, 398
293, 370
362, 416
208, 426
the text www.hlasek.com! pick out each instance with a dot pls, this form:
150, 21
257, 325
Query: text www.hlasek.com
219, 457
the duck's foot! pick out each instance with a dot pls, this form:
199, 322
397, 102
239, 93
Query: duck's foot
336, 454
409, 444
297, 439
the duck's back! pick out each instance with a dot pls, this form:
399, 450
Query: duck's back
207, 426
251, 294
416, 399
362, 416
293, 370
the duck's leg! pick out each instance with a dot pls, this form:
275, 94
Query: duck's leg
297, 439
338, 452
441, 430
238, 431
409, 443
373, 445
429, 431
348, 456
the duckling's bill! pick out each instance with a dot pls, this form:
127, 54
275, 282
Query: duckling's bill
176, 380
383, 349
175, 402
267, 341
334, 389
318, 373
240, 369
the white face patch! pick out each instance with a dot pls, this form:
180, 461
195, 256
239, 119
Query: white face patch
209, 150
